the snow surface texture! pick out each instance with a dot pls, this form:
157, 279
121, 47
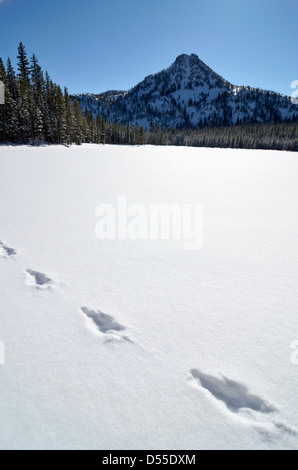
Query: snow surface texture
141, 344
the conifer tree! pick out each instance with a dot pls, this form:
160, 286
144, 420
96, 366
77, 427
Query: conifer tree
69, 118
23, 65
37, 81
11, 80
98, 129
60, 113
78, 123
103, 131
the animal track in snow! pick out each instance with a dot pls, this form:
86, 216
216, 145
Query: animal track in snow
232, 393
238, 399
36, 279
6, 252
105, 324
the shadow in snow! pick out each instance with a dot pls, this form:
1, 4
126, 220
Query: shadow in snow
38, 279
105, 323
233, 394
6, 251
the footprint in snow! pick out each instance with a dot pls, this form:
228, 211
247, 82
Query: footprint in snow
105, 324
235, 395
5, 251
38, 280
238, 399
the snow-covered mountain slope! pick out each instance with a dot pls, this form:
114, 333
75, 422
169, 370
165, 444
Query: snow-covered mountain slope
141, 344
189, 94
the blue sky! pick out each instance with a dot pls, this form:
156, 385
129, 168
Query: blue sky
94, 45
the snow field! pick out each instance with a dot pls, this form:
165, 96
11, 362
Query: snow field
141, 344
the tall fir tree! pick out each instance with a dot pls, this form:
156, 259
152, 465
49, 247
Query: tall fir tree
23, 65
11, 80
69, 118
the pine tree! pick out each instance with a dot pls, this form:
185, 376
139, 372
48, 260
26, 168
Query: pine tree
23, 66
69, 118
78, 123
11, 80
11, 117
47, 123
60, 114
36, 123
8, 124
23, 114
37, 82
103, 131
98, 129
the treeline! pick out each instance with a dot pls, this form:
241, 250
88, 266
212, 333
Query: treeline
279, 136
37, 110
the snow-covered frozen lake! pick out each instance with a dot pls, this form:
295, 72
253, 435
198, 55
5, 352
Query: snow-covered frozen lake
141, 344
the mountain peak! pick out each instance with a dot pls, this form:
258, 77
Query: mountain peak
189, 59
191, 66
183, 57
189, 94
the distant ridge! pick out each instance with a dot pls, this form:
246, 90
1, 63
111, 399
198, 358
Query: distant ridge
189, 94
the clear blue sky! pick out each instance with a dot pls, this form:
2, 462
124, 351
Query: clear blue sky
95, 45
